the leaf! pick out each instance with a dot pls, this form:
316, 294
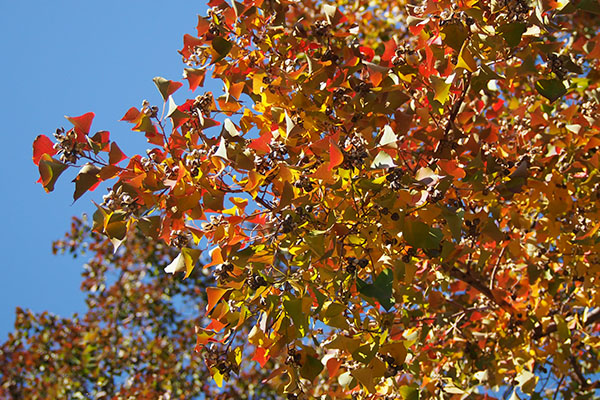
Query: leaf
166, 87
365, 377
466, 60
42, 145
194, 76
591, 6
441, 88
381, 289
335, 155
552, 89
176, 265
388, 138
418, 234
222, 47
527, 381
115, 155
87, 179
214, 295
382, 160
409, 392
311, 368
50, 169
190, 258
222, 149
294, 308
82, 124
512, 33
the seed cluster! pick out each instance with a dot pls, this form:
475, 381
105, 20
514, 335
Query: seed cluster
179, 239
355, 152
203, 104
395, 178
222, 272
194, 161
294, 358
516, 10
392, 367
256, 281
119, 200
67, 146
354, 263
218, 359
556, 65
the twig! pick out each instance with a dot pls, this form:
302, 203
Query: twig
496, 267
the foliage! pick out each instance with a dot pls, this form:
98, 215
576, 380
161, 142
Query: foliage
134, 341
397, 200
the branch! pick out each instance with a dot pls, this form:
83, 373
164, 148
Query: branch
592, 318
477, 284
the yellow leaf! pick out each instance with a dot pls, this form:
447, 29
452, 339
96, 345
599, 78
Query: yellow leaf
466, 60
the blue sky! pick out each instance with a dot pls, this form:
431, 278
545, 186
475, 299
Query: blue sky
68, 58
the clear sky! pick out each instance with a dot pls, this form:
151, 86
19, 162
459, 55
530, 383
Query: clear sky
68, 58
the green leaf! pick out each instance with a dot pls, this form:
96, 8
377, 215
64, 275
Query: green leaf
409, 393
85, 180
50, 169
222, 47
150, 226
116, 228
552, 89
311, 368
418, 234
454, 220
454, 35
190, 258
512, 33
166, 87
381, 289
293, 308
591, 6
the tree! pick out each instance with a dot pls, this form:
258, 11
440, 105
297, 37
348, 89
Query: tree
396, 200
135, 341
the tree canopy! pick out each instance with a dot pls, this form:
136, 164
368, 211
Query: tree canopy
387, 199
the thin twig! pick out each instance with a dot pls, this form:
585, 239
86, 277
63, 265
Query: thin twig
496, 267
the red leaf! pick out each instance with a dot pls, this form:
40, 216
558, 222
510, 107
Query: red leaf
42, 145
115, 154
261, 356
189, 43
390, 50
262, 143
82, 124
131, 115
368, 52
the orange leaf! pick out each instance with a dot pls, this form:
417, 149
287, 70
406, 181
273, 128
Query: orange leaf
451, 168
336, 157
195, 77
131, 115
333, 365
214, 295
